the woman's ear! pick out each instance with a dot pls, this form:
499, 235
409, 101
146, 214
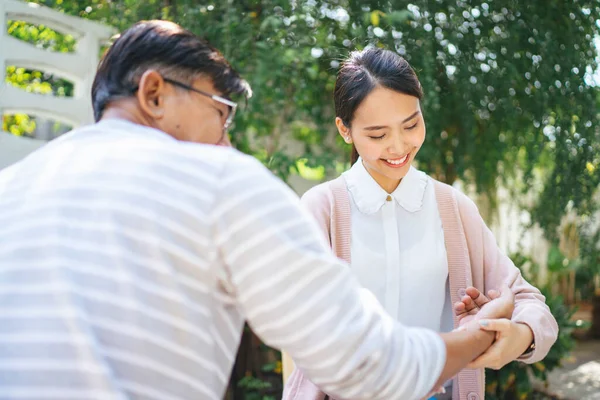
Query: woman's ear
343, 130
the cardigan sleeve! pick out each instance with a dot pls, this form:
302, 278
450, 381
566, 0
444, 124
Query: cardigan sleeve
498, 268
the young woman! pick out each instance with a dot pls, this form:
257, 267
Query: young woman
416, 243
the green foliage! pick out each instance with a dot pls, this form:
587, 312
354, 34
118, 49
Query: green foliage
35, 81
18, 124
256, 374
590, 246
514, 381
588, 271
560, 266
507, 84
253, 387
41, 36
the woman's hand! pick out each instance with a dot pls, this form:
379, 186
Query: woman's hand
512, 339
475, 305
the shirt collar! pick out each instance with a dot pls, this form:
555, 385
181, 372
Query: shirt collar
369, 197
129, 128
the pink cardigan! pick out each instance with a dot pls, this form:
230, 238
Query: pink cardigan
473, 260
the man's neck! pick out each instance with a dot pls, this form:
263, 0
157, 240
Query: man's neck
127, 112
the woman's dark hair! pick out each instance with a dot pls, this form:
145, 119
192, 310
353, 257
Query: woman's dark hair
362, 72
167, 48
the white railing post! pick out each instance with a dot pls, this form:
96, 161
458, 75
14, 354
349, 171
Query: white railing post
78, 67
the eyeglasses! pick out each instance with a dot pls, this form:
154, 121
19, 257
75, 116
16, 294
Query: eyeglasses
232, 105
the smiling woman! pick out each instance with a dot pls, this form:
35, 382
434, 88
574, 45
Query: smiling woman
401, 228
380, 114
387, 132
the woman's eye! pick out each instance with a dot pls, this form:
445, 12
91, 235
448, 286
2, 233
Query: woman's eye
377, 137
410, 128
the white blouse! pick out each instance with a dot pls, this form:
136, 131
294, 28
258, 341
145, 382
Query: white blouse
397, 248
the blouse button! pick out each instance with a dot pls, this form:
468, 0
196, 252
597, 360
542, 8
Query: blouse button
388, 198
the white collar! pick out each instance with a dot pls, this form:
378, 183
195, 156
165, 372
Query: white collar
369, 197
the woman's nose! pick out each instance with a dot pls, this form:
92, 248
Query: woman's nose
397, 146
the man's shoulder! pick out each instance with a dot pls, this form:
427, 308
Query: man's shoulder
130, 143
211, 154
229, 159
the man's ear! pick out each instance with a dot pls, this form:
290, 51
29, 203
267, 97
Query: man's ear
151, 94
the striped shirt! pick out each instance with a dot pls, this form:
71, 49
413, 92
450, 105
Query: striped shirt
130, 260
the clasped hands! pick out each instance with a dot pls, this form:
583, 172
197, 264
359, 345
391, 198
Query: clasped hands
493, 313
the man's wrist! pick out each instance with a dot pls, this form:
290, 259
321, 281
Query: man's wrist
472, 326
486, 337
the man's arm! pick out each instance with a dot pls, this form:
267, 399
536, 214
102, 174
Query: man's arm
461, 348
296, 295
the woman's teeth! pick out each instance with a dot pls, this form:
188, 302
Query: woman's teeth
398, 161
